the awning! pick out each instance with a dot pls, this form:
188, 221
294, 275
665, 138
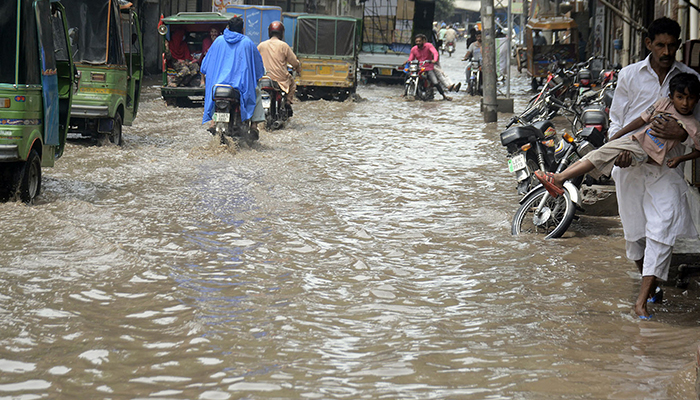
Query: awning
468, 5
551, 23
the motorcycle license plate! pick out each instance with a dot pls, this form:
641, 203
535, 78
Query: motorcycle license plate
266, 102
517, 163
221, 117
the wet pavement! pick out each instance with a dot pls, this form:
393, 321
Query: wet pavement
363, 252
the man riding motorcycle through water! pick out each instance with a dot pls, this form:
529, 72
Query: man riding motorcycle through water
234, 60
276, 55
473, 53
424, 51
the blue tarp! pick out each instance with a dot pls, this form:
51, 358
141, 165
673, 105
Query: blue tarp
234, 60
257, 19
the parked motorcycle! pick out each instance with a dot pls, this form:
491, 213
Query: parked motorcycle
530, 148
475, 82
539, 212
227, 116
418, 86
277, 110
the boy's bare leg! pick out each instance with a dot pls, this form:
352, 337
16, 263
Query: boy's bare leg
576, 169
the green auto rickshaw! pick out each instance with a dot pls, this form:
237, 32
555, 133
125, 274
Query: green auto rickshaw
198, 29
106, 41
36, 81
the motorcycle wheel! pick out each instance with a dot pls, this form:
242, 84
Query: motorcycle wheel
560, 212
411, 90
470, 87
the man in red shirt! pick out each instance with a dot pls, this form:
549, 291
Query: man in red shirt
424, 51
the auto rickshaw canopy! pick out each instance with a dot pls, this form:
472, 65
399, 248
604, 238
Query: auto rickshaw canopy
95, 31
184, 18
20, 46
323, 35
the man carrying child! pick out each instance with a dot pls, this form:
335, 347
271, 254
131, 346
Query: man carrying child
651, 198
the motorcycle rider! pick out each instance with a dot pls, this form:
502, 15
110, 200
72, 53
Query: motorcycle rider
424, 51
450, 35
441, 36
473, 54
234, 60
276, 55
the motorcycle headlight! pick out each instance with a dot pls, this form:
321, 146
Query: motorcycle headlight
585, 147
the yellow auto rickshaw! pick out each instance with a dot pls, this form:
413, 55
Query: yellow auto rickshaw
327, 48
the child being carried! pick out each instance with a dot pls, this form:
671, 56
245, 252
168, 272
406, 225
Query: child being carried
644, 147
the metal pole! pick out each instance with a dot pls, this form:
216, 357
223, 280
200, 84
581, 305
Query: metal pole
510, 46
488, 72
694, 17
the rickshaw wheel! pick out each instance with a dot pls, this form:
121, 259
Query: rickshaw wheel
30, 178
115, 136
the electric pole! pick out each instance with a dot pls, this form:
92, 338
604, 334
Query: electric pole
489, 101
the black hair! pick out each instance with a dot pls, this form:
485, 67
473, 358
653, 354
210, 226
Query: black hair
422, 36
663, 25
235, 24
683, 81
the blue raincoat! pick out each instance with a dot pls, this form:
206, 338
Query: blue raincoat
233, 59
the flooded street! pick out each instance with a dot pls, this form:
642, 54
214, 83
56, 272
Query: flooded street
364, 252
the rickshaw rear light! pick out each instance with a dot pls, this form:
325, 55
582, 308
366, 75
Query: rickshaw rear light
98, 76
4, 103
526, 147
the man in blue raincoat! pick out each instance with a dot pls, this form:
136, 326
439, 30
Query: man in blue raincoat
233, 59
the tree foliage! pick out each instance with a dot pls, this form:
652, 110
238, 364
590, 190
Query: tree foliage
444, 9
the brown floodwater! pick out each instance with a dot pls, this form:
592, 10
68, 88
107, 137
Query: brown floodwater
363, 252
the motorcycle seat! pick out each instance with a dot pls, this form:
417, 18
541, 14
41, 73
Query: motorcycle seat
267, 83
226, 92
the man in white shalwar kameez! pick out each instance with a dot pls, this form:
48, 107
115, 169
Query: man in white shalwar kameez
651, 199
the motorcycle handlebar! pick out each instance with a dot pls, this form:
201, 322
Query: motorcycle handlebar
556, 102
557, 87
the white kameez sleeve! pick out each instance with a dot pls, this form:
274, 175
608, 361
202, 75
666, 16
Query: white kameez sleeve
620, 102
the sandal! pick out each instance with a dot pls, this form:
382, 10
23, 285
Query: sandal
547, 180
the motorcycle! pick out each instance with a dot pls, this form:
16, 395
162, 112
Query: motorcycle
450, 48
227, 116
533, 145
475, 82
418, 86
539, 212
274, 99
530, 147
